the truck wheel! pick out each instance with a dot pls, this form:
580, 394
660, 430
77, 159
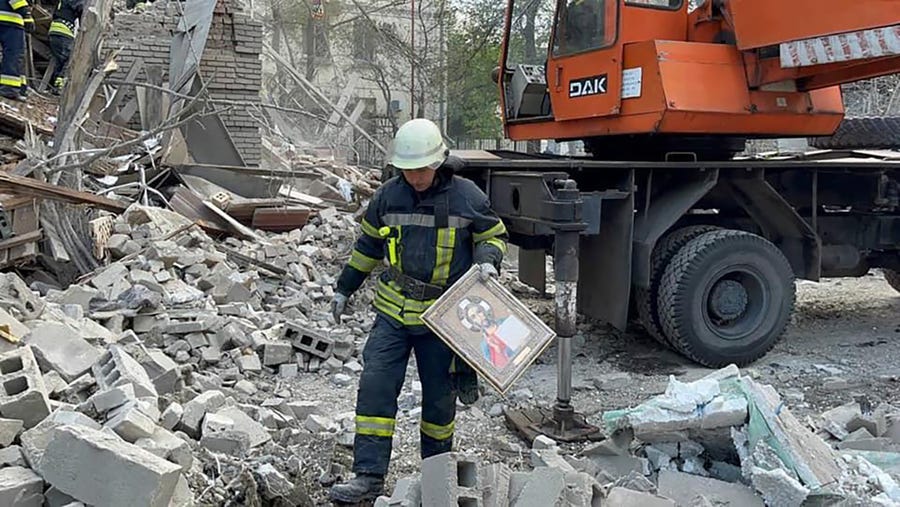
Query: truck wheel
860, 133
726, 297
893, 278
645, 299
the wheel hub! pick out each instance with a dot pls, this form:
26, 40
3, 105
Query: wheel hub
728, 300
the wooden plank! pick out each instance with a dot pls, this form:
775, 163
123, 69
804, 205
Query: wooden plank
29, 186
18, 240
112, 111
25, 220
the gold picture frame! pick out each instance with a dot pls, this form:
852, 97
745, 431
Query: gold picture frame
491, 330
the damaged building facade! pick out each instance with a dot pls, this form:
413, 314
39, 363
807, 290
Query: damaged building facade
231, 65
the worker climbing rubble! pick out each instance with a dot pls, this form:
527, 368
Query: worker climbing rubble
62, 37
431, 226
15, 20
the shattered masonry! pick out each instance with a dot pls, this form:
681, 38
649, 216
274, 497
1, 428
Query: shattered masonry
231, 63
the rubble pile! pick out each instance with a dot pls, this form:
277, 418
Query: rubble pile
155, 380
721, 440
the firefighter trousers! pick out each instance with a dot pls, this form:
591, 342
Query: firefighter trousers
385, 355
61, 49
12, 40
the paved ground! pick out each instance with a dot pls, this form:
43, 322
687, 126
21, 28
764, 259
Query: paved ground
843, 329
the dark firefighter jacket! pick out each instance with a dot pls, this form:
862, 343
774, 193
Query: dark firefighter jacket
15, 12
423, 249
64, 18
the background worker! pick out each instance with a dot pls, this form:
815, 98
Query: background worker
62, 36
15, 20
431, 226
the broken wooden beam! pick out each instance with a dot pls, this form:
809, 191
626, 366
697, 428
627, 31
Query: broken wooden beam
29, 186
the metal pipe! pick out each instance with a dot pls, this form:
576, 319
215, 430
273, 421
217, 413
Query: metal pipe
565, 266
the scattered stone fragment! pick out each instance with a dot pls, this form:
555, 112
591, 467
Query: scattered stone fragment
685, 488
196, 409
121, 473
12, 457
171, 416
9, 430
21, 487
778, 488
621, 497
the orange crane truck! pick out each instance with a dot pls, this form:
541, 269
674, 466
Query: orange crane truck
662, 221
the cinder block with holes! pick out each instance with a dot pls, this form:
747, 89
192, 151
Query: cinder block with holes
309, 341
451, 480
23, 395
117, 368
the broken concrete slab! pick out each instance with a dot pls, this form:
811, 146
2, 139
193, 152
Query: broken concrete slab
245, 424
868, 444
35, 440
131, 423
21, 487
171, 416
779, 488
161, 369
168, 446
56, 498
12, 456
23, 395
59, 348
582, 490
110, 399
685, 488
9, 430
546, 486
121, 473
196, 409
231, 442
277, 353
621, 497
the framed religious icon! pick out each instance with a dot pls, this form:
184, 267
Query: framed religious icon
489, 329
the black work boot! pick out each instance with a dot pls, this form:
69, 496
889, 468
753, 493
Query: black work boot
466, 385
358, 489
9, 92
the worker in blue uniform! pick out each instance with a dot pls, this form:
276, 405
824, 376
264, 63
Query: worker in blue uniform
15, 21
62, 38
429, 226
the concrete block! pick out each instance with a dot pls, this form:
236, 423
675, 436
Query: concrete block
243, 423
778, 488
611, 468
277, 353
54, 383
868, 444
543, 442
35, 440
162, 370
685, 488
215, 423
309, 341
621, 497
866, 422
59, 348
407, 492
288, 371
23, 395
168, 446
12, 457
582, 490
131, 423
303, 409
116, 368
21, 487
110, 399
56, 498
549, 458
319, 424
496, 479
171, 416
249, 363
545, 487
231, 442
121, 473
196, 409
9, 430
451, 480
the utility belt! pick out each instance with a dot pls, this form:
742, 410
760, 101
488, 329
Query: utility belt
414, 288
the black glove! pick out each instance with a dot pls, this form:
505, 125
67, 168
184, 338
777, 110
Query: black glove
29, 25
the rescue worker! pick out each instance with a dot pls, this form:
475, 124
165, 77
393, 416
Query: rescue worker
15, 20
431, 226
62, 36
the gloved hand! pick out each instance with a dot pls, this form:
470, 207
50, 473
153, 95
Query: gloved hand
29, 25
487, 270
338, 305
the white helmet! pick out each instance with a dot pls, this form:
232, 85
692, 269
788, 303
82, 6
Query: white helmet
418, 144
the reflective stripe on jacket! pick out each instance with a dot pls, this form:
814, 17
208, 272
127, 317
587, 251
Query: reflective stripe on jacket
436, 255
15, 12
